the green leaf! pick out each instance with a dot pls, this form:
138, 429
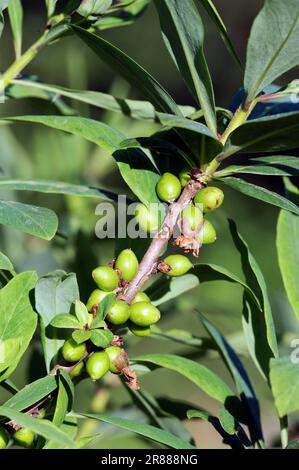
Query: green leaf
64, 397
80, 336
288, 255
56, 187
64, 320
183, 34
227, 421
37, 221
101, 338
32, 393
42, 427
51, 4
94, 131
15, 13
278, 165
94, 7
103, 309
146, 430
241, 379
260, 193
272, 47
5, 263
168, 289
284, 379
205, 379
9, 386
69, 427
182, 337
171, 121
123, 15
271, 133
81, 313
217, 20
9, 349
123, 65
54, 293
258, 323
17, 318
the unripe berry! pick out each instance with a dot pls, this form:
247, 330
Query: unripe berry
168, 187
4, 438
98, 365
149, 219
208, 234
119, 313
191, 217
115, 354
144, 314
139, 330
128, 264
77, 370
73, 352
211, 198
141, 297
95, 298
179, 265
106, 278
24, 437
185, 176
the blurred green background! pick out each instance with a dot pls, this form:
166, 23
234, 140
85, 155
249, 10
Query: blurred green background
31, 151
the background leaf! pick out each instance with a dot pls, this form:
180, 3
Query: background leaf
54, 294
284, 379
183, 34
17, 318
288, 255
15, 13
277, 165
37, 221
272, 47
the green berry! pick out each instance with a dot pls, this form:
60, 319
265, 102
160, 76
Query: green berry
149, 219
141, 297
115, 354
140, 330
179, 265
211, 198
106, 278
98, 365
4, 438
119, 313
193, 216
208, 234
24, 437
168, 187
144, 314
128, 264
95, 298
73, 352
185, 176
77, 370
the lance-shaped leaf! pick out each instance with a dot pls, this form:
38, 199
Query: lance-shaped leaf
183, 34
236, 368
32, 393
15, 13
124, 14
200, 375
288, 255
258, 323
276, 165
146, 430
37, 221
273, 45
267, 134
258, 192
216, 18
17, 318
136, 75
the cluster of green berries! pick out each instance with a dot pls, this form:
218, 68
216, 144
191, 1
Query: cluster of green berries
141, 314
23, 437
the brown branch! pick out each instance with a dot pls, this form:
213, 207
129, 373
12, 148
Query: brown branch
149, 262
